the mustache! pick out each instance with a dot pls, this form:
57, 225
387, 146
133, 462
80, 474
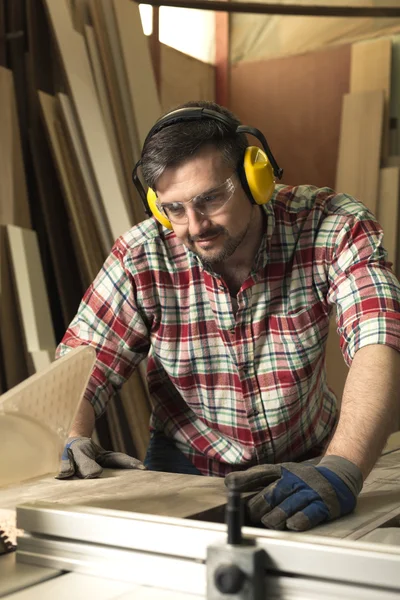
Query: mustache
207, 234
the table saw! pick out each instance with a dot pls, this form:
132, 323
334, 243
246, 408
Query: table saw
147, 535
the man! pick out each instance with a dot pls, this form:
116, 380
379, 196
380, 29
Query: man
228, 292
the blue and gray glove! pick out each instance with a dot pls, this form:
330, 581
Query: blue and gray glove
299, 496
85, 459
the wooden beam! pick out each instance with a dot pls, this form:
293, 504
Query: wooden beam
222, 58
360, 146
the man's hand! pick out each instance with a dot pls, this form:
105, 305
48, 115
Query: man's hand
299, 496
85, 459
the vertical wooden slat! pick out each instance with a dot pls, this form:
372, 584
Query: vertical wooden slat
72, 50
371, 70
360, 145
388, 211
14, 204
31, 289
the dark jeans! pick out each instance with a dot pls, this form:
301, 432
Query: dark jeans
163, 455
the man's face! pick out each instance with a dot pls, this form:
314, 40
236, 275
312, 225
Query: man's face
217, 237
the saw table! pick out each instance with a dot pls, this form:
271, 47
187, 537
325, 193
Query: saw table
142, 534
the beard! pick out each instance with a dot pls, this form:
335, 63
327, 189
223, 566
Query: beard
217, 255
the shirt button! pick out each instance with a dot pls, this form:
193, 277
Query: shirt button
253, 413
232, 331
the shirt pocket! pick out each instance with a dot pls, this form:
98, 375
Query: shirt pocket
299, 338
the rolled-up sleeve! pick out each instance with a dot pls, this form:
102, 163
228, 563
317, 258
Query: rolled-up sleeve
108, 320
363, 287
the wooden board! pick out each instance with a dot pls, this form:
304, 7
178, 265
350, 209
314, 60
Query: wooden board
371, 70
68, 119
289, 99
360, 144
394, 107
87, 244
102, 92
72, 50
11, 337
108, 47
14, 204
184, 78
31, 289
140, 75
388, 211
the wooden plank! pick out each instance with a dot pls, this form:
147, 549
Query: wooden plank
55, 216
184, 78
72, 50
110, 57
14, 203
371, 70
11, 337
359, 148
301, 125
68, 119
102, 93
31, 289
87, 244
394, 108
140, 75
388, 211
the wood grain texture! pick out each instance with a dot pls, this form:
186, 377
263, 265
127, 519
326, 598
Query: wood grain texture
147, 492
108, 46
12, 342
184, 78
139, 70
72, 50
394, 106
31, 289
289, 99
371, 70
360, 145
388, 211
14, 203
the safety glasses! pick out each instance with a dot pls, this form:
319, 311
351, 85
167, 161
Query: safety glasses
206, 204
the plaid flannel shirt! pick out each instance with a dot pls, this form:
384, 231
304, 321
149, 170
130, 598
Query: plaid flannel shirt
234, 390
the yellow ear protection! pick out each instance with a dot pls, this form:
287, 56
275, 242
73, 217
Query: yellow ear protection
257, 171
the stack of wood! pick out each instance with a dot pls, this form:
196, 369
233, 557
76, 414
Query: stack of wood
91, 97
368, 165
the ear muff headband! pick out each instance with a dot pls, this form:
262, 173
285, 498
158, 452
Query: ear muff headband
258, 172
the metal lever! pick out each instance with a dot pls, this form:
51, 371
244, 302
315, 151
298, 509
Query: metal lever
236, 568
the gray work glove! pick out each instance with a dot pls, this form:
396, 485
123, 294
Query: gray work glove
299, 496
85, 459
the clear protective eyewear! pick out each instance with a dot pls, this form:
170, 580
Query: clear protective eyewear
207, 204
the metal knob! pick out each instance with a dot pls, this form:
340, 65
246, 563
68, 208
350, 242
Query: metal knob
229, 579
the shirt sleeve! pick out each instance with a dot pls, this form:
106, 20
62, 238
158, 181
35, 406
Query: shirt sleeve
363, 287
109, 320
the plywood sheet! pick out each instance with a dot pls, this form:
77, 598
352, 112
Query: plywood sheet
14, 204
296, 102
102, 92
31, 289
108, 46
72, 50
184, 78
371, 70
140, 75
388, 211
11, 336
394, 108
360, 144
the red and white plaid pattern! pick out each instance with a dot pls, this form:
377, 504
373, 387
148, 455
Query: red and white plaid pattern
234, 391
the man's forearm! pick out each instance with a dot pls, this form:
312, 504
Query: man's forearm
83, 424
370, 407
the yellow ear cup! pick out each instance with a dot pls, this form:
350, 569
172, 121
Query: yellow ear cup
152, 202
259, 174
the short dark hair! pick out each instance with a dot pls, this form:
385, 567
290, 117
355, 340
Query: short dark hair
174, 144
